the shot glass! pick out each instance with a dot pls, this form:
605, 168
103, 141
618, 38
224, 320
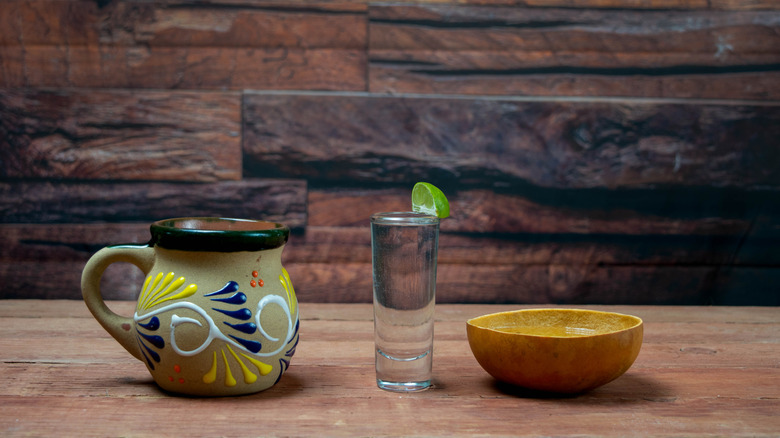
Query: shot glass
404, 248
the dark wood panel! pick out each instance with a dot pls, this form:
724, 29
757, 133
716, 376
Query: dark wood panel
120, 135
187, 68
11, 20
332, 264
181, 45
556, 198
183, 23
504, 142
33, 280
31, 242
351, 282
338, 245
483, 73
333, 242
755, 286
356, 5
11, 71
760, 246
486, 212
454, 27
733, 5
521, 284
574, 52
59, 202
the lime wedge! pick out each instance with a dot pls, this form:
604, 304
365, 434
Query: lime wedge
428, 199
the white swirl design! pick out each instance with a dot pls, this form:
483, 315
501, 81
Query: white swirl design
214, 331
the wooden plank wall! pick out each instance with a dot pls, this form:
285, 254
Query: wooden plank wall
594, 151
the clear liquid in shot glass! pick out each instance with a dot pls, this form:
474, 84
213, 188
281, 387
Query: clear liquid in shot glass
404, 268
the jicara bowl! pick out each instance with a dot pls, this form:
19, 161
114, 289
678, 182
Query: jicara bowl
556, 350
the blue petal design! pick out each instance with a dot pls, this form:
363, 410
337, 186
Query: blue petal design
237, 298
151, 365
152, 353
291, 351
241, 314
247, 328
157, 341
152, 325
230, 287
252, 346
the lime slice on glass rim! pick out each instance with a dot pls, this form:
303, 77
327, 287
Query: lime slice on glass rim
428, 199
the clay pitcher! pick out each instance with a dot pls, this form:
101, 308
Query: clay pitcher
217, 314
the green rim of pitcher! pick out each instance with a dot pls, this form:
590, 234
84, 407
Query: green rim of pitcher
218, 234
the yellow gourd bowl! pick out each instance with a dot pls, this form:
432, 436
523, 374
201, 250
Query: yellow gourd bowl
557, 350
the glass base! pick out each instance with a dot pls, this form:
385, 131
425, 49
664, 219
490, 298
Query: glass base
403, 386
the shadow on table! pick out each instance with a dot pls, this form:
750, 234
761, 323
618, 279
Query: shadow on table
628, 388
146, 386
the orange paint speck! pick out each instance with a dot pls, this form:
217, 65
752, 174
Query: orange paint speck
255, 274
170, 378
181, 380
177, 368
253, 283
261, 283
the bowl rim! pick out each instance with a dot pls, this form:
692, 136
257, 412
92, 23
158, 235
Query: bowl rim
638, 322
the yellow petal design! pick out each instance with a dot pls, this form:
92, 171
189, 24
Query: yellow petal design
249, 377
147, 290
229, 379
264, 368
188, 291
211, 376
146, 285
164, 289
288, 287
166, 281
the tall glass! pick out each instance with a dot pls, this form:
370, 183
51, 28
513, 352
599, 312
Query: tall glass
404, 247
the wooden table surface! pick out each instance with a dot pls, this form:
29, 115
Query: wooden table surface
702, 371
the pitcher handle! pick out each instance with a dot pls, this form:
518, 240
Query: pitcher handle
119, 327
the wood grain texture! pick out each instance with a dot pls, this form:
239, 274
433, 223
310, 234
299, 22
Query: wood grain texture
31, 280
723, 5
519, 284
120, 135
59, 202
668, 391
351, 5
573, 52
435, 27
50, 242
752, 284
352, 244
183, 23
34, 252
336, 244
495, 142
761, 243
184, 45
518, 213
333, 264
193, 68
592, 150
